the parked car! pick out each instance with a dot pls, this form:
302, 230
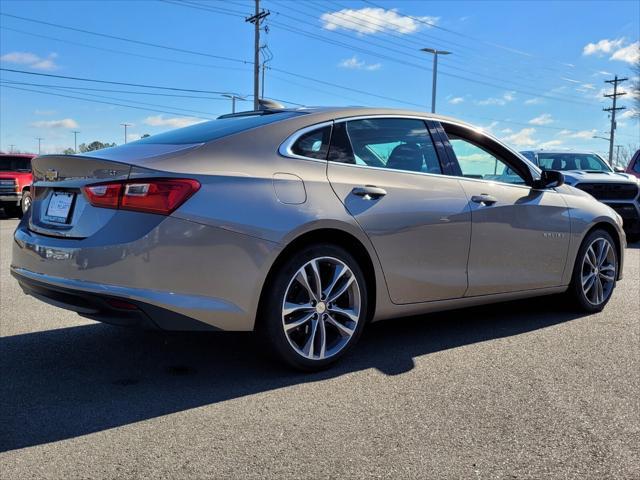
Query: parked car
15, 183
306, 224
634, 165
590, 173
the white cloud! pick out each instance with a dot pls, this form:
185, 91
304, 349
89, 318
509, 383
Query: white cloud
523, 138
368, 21
544, 119
630, 113
629, 54
31, 60
582, 134
43, 112
550, 143
503, 100
533, 101
175, 122
355, 64
506, 131
456, 100
64, 123
603, 46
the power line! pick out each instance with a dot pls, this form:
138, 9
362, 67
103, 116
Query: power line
113, 82
101, 101
129, 40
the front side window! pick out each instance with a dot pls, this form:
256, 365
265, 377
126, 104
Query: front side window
394, 143
572, 161
477, 162
636, 167
314, 144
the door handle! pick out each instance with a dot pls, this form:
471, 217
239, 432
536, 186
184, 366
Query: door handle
484, 199
369, 192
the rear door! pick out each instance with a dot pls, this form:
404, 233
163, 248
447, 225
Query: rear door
520, 235
388, 175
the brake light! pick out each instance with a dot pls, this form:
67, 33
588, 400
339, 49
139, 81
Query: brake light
158, 195
106, 195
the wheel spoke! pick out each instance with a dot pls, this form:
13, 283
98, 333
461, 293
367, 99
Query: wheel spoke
587, 282
608, 268
338, 272
308, 346
351, 314
289, 308
322, 339
607, 278
299, 322
316, 278
342, 289
342, 329
302, 279
604, 251
599, 291
590, 257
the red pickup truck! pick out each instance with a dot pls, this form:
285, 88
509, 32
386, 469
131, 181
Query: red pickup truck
15, 183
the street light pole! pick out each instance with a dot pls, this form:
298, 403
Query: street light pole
75, 141
125, 125
233, 98
39, 144
435, 73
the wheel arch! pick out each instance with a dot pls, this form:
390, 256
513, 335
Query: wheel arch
613, 231
324, 236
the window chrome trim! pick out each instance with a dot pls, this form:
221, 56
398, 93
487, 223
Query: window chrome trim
285, 148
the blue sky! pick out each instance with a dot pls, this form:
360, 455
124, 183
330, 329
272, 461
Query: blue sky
531, 72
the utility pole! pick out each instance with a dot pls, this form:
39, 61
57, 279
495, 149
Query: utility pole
75, 141
256, 19
613, 109
435, 73
125, 125
11, 148
618, 147
39, 144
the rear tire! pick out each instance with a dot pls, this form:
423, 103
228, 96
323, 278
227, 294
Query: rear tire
594, 273
311, 326
25, 203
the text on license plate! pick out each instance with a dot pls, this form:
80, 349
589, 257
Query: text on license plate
59, 206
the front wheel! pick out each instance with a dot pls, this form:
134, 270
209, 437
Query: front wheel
595, 272
25, 203
316, 307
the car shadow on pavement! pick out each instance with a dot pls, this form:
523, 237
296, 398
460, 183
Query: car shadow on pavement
60, 384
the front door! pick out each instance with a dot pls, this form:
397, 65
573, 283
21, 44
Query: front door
520, 235
388, 175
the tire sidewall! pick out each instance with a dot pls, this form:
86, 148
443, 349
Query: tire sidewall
271, 324
576, 281
26, 194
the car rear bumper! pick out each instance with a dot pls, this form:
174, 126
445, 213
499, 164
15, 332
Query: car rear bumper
179, 275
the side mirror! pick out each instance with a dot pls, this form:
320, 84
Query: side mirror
618, 169
549, 179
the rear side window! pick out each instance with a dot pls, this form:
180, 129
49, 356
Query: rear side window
215, 129
636, 166
314, 144
393, 143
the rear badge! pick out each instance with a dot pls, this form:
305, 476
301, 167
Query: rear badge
51, 174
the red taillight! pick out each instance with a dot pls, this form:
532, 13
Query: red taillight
106, 195
159, 195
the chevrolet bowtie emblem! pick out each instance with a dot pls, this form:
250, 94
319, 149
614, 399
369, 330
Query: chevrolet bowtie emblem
51, 174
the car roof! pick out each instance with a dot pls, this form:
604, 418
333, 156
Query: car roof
356, 111
555, 152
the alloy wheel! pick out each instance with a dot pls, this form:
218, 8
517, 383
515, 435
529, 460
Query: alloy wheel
598, 271
321, 308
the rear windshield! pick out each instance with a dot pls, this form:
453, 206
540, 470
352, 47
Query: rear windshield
15, 164
214, 129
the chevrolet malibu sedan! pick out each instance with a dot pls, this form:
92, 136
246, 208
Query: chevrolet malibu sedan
304, 225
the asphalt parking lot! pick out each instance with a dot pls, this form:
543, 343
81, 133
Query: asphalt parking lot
519, 390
